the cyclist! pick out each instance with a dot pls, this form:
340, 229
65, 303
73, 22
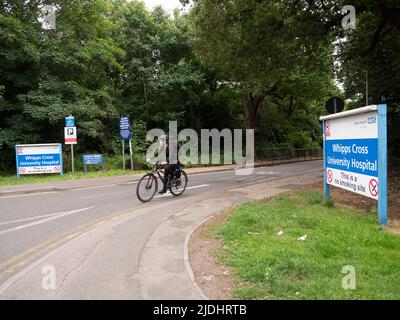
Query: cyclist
171, 165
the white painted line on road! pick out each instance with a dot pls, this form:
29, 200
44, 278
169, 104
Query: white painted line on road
170, 194
269, 173
105, 194
53, 217
199, 186
31, 218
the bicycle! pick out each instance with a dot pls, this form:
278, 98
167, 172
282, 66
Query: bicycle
149, 183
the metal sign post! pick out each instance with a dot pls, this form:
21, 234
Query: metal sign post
123, 154
72, 158
70, 135
355, 153
131, 153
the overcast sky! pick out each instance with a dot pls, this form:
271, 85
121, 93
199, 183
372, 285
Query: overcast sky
169, 5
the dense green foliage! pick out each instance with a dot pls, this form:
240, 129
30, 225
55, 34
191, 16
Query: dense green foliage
265, 65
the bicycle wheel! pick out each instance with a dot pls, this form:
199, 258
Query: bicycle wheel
178, 185
147, 187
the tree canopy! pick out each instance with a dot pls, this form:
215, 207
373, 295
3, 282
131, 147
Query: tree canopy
261, 64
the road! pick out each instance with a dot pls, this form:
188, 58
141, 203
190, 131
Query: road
34, 225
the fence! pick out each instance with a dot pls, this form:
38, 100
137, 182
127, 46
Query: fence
275, 155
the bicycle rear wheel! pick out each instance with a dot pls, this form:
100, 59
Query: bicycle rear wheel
147, 187
178, 185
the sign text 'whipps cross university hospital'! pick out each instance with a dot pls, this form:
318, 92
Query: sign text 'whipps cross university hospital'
355, 153
38, 159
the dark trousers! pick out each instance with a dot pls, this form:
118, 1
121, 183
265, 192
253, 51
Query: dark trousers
169, 172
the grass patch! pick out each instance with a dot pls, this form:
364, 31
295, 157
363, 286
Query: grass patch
281, 267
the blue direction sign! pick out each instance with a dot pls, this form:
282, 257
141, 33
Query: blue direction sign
125, 132
93, 159
70, 121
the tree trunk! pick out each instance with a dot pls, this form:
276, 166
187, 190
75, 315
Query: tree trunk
252, 107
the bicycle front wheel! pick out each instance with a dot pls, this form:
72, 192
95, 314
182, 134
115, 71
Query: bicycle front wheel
178, 185
147, 187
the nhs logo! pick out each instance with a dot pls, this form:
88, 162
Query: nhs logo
371, 120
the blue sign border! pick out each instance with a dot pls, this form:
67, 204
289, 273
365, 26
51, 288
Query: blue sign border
125, 132
382, 163
93, 164
17, 162
71, 123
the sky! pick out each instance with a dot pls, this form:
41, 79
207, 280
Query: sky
169, 5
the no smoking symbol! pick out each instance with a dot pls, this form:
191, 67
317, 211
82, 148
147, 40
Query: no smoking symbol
373, 187
330, 176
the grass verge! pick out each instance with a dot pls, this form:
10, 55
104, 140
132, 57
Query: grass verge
270, 266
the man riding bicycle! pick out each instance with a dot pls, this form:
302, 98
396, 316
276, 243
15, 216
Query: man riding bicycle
171, 163
165, 163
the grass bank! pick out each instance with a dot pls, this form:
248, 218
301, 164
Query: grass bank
272, 266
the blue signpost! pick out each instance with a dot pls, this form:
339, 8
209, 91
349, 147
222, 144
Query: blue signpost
70, 121
93, 159
125, 134
355, 153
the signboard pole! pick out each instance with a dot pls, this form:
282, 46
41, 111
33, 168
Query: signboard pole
61, 161
326, 185
72, 158
123, 154
382, 163
130, 151
17, 161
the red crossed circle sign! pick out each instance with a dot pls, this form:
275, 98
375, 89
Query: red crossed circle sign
373, 187
330, 176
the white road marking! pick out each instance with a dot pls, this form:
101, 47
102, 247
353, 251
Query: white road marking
49, 218
105, 194
268, 172
31, 218
199, 186
170, 194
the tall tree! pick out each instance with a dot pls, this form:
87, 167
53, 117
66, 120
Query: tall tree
262, 47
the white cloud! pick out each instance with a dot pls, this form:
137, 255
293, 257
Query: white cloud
168, 5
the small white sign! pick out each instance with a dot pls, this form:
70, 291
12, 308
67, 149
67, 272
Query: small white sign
70, 135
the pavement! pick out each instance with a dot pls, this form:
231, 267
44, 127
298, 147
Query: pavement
100, 242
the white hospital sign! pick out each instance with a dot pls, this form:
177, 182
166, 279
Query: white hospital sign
39, 159
355, 152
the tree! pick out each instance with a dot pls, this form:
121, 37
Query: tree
262, 47
48, 74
